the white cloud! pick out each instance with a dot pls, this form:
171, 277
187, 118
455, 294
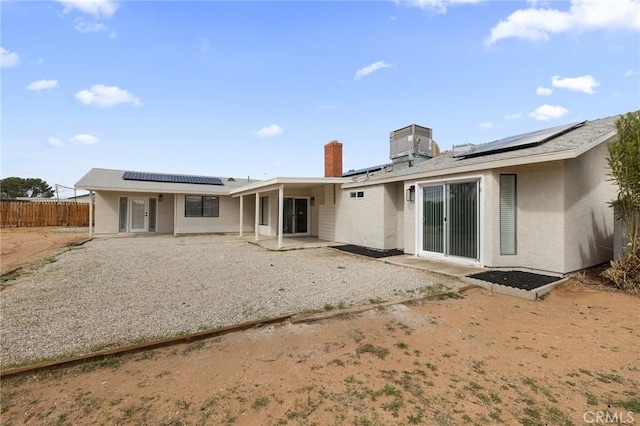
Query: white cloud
106, 96
42, 85
269, 131
515, 116
8, 59
548, 112
544, 91
365, 71
439, 6
89, 27
583, 15
54, 142
630, 73
486, 125
95, 8
85, 139
584, 84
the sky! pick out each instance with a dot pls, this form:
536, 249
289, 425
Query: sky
256, 89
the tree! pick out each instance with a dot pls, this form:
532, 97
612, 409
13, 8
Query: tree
624, 162
13, 187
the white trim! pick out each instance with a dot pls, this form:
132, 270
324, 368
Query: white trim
257, 218
241, 215
280, 215
274, 184
91, 214
175, 215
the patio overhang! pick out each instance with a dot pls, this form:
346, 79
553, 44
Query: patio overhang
279, 185
289, 182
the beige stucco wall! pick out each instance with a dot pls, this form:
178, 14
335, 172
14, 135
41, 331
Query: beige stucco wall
228, 220
107, 214
540, 219
371, 221
588, 231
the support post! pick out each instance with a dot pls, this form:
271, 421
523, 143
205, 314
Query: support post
280, 214
241, 214
91, 214
257, 215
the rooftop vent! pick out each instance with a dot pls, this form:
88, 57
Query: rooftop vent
411, 144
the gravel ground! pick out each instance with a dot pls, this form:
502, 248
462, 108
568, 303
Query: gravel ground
123, 290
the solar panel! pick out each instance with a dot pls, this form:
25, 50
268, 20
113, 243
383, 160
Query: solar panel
161, 177
520, 141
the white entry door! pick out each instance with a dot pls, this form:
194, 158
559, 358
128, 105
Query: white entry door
139, 215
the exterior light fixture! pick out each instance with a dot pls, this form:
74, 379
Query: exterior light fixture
411, 193
160, 198
313, 200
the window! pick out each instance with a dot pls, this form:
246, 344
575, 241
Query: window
205, 206
359, 194
508, 209
264, 210
122, 214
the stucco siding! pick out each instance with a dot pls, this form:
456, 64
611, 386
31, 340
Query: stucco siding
390, 208
409, 221
540, 219
228, 220
360, 221
106, 206
371, 220
588, 231
400, 206
107, 211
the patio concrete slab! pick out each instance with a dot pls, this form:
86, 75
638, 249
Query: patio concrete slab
290, 243
445, 268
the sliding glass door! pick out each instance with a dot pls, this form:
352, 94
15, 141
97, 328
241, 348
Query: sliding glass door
433, 219
450, 219
295, 216
463, 219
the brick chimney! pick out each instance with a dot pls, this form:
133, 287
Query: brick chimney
333, 159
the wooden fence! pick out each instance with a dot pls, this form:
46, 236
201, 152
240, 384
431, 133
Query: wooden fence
25, 213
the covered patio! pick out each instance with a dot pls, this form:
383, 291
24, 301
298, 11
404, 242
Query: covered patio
290, 209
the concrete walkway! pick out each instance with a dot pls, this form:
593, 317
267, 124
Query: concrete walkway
290, 243
446, 268
439, 267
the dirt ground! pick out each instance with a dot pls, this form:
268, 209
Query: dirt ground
572, 358
482, 359
21, 246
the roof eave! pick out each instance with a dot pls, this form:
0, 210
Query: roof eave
491, 164
274, 183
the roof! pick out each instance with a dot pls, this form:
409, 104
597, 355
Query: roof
112, 180
565, 146
290, 182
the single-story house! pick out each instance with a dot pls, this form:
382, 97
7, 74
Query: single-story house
536, 201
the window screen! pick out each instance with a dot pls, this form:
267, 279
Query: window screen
508, 214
